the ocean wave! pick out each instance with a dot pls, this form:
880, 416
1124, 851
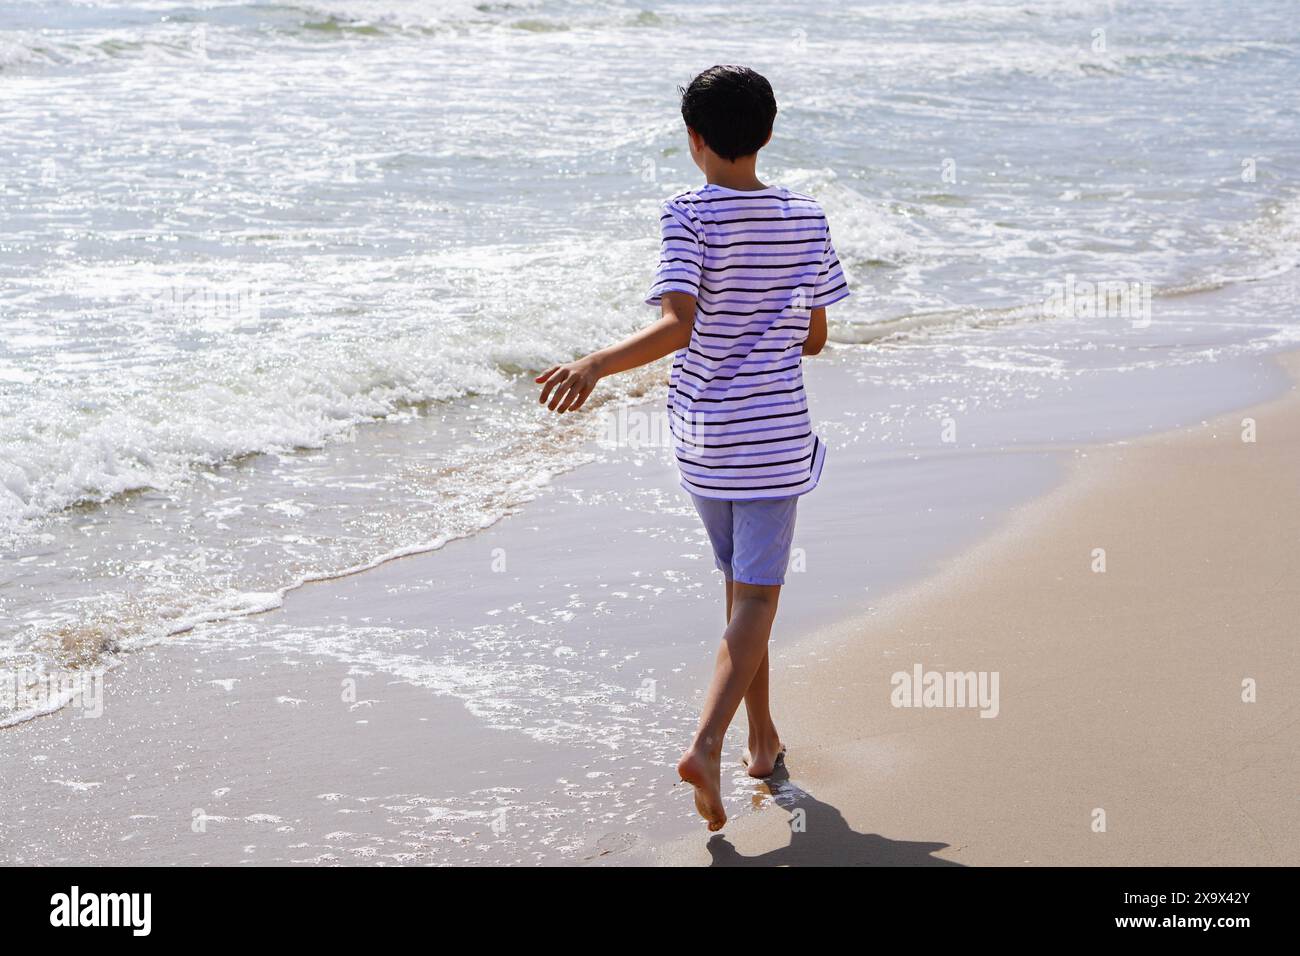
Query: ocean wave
188, 31
56, 456
982, 11
1269, 247
26, 51
191, 31
927, 324
214, 387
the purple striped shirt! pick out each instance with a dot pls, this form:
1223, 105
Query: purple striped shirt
757, 263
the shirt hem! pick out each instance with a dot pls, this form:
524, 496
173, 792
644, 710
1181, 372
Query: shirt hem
751, 495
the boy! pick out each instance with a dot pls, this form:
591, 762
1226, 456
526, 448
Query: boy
745, 274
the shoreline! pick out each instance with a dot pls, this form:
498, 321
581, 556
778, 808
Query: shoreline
1124, 736
439, 709
111, 580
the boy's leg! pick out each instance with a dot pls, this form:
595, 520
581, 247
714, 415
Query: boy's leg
743, 649
764, 745
765, 530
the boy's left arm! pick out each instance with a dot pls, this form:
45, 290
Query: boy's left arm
816, 332
572, 383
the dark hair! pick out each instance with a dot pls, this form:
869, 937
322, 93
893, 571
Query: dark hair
732, 107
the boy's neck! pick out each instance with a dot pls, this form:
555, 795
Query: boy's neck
738, 174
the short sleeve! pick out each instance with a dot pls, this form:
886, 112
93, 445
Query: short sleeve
681, 254
831, 284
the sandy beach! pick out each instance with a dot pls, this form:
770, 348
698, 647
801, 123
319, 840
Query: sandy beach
1123, 691
519, 696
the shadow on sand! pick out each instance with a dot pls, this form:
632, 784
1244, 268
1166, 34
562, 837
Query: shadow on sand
820, 836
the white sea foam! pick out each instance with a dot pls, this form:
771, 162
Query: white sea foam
279, 386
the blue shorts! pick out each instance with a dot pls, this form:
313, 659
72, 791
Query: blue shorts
751, 539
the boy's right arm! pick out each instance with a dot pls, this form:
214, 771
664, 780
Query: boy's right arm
567, 386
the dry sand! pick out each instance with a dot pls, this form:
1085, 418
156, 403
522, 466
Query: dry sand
1120, 691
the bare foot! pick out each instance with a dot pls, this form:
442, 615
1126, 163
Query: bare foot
761, 756
704, 773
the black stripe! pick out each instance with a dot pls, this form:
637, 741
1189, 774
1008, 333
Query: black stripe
742, 444
680, 225
756, 194
735, 398
822, 295
691, 350
768, 193
743, 421
681, 367
735, 375
765, 265
764, 242
760, 464
776, 218
770, 328
742, 315
768, 290
788, 484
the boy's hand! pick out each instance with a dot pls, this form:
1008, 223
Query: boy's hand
571, 384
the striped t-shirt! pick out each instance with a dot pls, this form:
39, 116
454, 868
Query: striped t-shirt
757, 263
